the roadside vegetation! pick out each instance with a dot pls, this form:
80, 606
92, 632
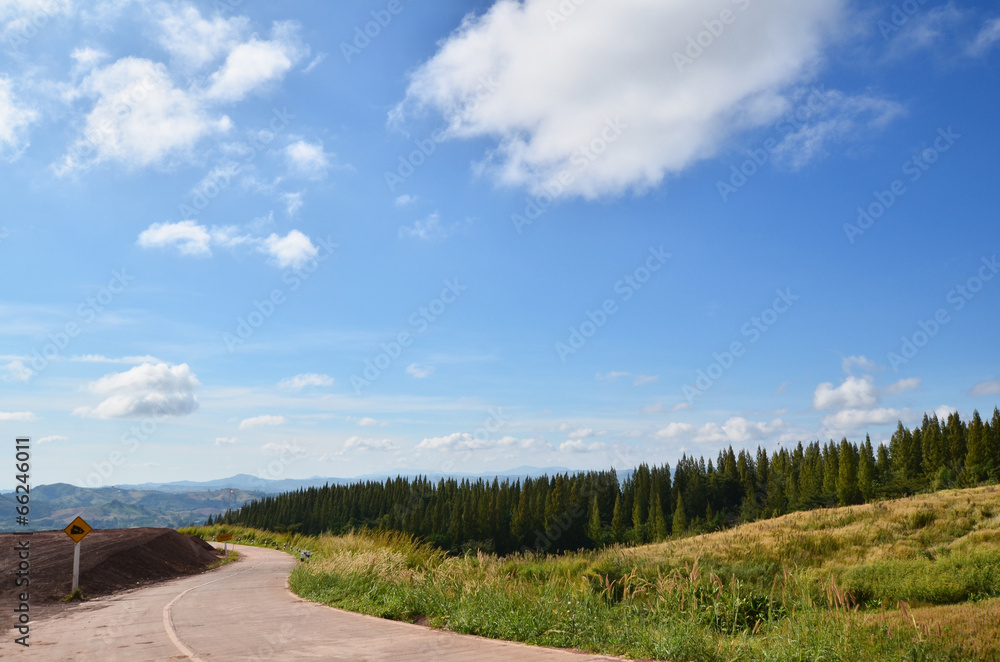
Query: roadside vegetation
913, 579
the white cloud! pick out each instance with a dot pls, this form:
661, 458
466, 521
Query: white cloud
986, 39
16, 371
266, 420
674, 430
924, 30
360, 444
682, 406
405, 199
579, 446
52, 438
225, 441
299, 382
991, 387
854, 392
194, 41
641, 380
254, 64
100, 358
292, 250
850, 420
858, 392
149, 389
139, 118
20, 416
87, 58
187, 237
738, 430
307, 160
367, 421
456, 441
19, 18
418, 371
613, 63
14, 122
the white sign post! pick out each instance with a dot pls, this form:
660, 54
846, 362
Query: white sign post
76, 567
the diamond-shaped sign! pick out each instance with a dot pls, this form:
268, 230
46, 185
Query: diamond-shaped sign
78, 529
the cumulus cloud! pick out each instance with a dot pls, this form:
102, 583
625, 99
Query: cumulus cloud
738, 430
426, 229
367, 421
578, 432
858, 392
14, 122
149, 389
611, 79
194, 41
307, 160
256, 63
862, 363
849, 420
293, 250
463, 441
189, 238
266, 420
139, 118
225, 441
19, 416
299, 382
405, 199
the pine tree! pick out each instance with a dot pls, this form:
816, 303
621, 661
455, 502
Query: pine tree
680, 517
847, 478
618, 521
658, 523
977, 449
594, 530
866, 470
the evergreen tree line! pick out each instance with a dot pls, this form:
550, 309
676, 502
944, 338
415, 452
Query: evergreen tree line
572, 511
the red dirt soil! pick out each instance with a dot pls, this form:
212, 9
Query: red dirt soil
110, 560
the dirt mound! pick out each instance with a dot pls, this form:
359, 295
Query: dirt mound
110, 560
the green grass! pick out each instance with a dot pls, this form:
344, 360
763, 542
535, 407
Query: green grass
913, 579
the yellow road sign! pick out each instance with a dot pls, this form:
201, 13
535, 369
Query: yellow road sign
78, 529
223, 537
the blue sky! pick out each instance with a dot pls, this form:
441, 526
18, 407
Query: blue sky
296, 239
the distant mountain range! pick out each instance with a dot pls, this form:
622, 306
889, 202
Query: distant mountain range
248, 482
182, 503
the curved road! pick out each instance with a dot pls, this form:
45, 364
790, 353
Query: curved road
244, 611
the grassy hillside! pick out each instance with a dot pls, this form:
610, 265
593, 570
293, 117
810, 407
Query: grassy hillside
911, 579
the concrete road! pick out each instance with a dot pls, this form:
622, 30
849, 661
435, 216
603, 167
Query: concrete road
244, 611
